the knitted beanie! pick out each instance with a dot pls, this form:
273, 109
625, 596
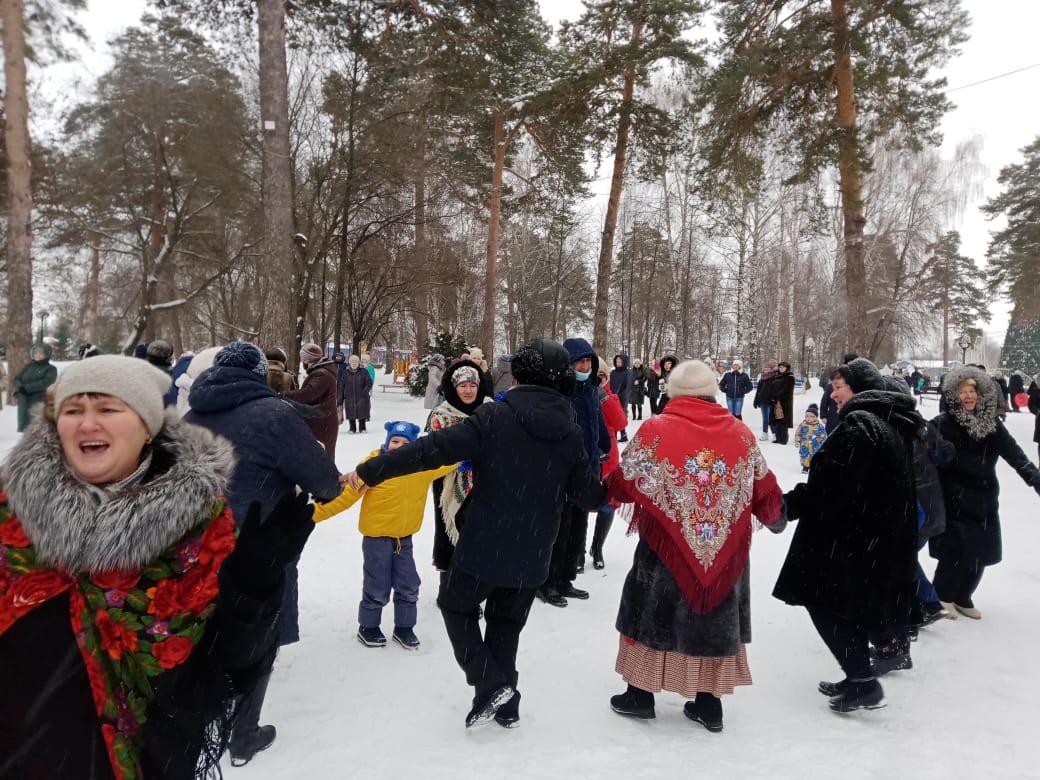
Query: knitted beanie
159, 352
860, 374
465, 374
310, 353
242, 354
813, 409
692, 378
137, 383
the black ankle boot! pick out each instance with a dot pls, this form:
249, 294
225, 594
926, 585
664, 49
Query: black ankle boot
247, 737
635, 703
706, 710
603, 522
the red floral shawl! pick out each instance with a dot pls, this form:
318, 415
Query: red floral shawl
696, 475
130, 627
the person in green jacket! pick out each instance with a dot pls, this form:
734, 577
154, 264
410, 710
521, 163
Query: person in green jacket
32, 382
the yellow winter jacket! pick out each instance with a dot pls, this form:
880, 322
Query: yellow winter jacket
393, 508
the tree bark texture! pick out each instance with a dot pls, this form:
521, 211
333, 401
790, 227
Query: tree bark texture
606, 246
19, 189
277, 256
850, 180
421, 304
487, 333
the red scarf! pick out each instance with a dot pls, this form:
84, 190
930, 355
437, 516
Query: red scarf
129, 626
696, 476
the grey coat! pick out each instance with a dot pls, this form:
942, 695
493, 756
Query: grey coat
654, 612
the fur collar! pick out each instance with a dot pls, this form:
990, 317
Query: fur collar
983, 421
70, 527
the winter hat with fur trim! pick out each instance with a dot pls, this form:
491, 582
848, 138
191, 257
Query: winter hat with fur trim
137, 383
692, 378
402, 428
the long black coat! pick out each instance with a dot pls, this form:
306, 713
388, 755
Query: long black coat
855, 546
638, 386
1034, 406
828, 408
528, 458
621, 381
356, 394
781, 389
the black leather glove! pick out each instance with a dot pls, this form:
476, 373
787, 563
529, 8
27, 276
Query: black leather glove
264, 549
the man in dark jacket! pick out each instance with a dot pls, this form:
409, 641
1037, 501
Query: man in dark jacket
528, 458
735, 384
851, 561
569, 549
828, 407
274, 452
30, 384
621, 385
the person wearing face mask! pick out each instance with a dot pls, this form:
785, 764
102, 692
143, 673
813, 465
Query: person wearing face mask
569, 549
131, 617
463, 393
971, 541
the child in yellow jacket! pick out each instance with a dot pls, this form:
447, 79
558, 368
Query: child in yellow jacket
390, 513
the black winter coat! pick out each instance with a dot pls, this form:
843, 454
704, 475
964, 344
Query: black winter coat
528, 458
971, 491
1034, 406
828, 408
855, 546
638, 386
586, 403
621, 381
781, 389
734, 385
356, 394
663, 380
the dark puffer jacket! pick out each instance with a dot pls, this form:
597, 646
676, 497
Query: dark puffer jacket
585, 401
854, 547
528, 458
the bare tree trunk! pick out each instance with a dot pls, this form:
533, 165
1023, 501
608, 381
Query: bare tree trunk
421, 303
851, 181
92, 294
606, 246
19, 189
277, 256
487, 334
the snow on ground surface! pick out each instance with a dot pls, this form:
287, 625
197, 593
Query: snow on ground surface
967, 709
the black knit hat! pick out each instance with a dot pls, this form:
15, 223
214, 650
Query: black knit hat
860, 374
546, 363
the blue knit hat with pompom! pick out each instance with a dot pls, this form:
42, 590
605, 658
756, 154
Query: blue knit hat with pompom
242, 354
402, 428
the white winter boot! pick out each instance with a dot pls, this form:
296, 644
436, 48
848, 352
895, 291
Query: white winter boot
763, 437
951, 609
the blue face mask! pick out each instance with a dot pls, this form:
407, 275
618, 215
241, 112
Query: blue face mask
582, 376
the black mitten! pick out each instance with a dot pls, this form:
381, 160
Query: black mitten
265, 548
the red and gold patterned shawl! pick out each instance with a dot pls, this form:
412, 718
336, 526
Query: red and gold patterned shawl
696, 476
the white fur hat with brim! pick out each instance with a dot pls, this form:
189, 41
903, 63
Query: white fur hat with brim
135, 382
692, 378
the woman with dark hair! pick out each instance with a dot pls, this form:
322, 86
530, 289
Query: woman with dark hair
130, 616
695, 478
762, 400
668, 362
971, 541
464, 392
781, 401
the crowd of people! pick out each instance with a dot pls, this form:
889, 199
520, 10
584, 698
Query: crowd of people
154, 513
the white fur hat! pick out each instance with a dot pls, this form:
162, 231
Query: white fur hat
692, 378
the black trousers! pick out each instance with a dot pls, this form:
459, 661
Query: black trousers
780, 431
846, 641
956, 580
569, 547
489, 660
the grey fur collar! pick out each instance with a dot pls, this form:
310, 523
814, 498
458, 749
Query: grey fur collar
71, 528
983, 421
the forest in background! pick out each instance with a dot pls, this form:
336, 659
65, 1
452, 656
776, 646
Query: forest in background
379, 171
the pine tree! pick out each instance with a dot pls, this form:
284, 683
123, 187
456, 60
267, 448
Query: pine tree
822, 80
1014, 257
956, 285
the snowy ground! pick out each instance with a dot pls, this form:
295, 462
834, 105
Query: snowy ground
968, 708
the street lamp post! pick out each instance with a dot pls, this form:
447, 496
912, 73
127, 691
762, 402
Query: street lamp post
964, 342
809, 344
43, 314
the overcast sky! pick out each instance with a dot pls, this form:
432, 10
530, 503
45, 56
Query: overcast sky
1004, 112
